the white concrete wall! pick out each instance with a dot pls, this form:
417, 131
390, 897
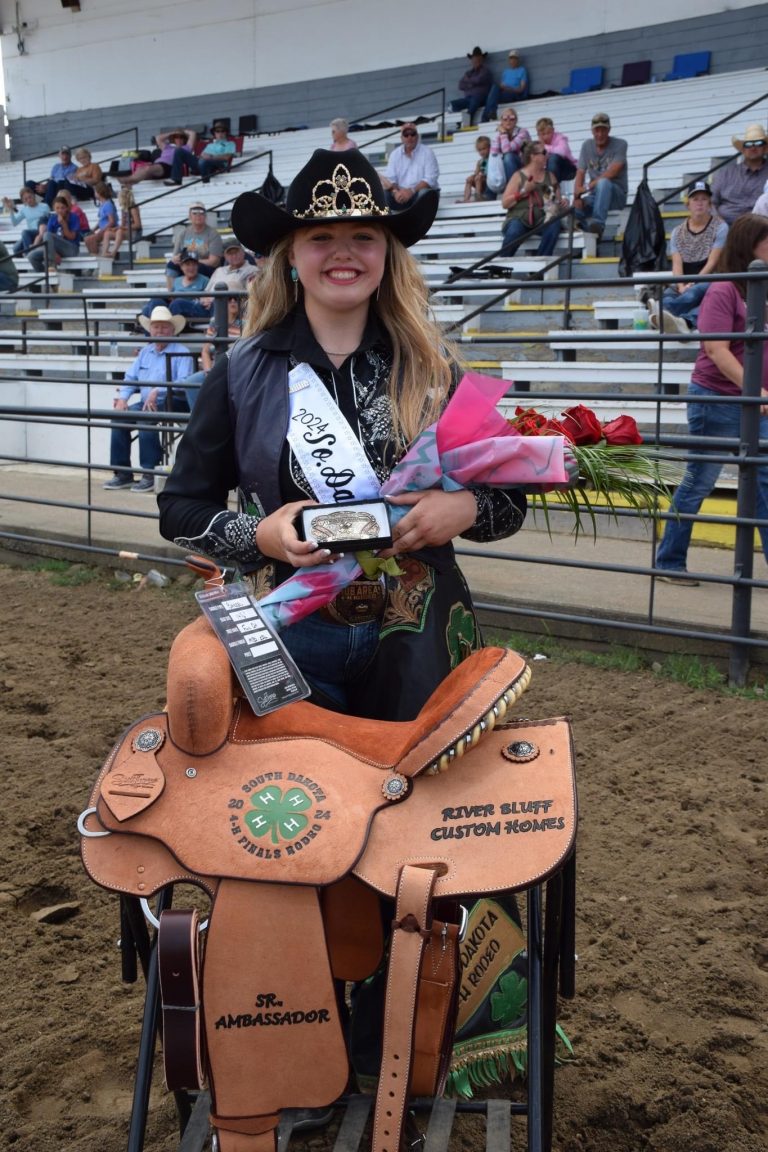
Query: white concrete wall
113, 53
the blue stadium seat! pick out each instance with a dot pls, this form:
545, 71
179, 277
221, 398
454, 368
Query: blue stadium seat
584, 80
690, 64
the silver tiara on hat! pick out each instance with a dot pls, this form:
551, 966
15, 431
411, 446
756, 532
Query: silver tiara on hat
342, 195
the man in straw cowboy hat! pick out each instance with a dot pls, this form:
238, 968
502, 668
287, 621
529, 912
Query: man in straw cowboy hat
145, 390
737, 186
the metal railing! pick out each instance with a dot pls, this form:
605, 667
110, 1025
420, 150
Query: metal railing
359, 121
134, 132
738, 641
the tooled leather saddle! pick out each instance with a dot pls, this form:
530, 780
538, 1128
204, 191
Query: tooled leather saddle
296, 824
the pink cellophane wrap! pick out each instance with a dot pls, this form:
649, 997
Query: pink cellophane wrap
471, 443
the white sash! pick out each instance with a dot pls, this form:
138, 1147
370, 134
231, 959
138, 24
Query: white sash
330, 455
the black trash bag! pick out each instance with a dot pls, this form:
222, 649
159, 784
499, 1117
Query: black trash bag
644, 248
272, 189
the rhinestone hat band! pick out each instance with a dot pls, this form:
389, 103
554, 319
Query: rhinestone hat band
342, 195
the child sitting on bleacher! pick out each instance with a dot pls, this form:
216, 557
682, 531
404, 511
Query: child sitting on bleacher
129, 224
98, 240
475, 185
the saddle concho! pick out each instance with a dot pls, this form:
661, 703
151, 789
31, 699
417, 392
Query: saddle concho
294, 823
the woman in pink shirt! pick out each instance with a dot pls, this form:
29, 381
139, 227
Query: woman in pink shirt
509, 139
718, 371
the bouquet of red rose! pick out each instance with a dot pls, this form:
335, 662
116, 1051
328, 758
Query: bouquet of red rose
611, 462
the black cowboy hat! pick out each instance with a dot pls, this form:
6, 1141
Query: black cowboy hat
332, 186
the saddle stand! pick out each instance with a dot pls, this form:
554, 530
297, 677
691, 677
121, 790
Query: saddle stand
296, 825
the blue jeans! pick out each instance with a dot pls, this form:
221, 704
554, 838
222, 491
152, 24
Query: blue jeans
560, 168
209, 168
25, 242
606, 197
512, 162
183, 159
331, 655
55, 246
192, 388
499, 95
150, 448
471, 104
516, 228
685, 304
7, 283
722, 420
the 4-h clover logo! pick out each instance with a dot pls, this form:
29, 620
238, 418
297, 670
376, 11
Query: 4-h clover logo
278, 814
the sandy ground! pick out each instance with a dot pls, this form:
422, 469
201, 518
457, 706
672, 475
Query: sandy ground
670, 1025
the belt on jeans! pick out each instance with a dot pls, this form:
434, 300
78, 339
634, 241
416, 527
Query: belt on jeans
360, 602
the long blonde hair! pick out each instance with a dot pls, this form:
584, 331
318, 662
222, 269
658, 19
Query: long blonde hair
421, 357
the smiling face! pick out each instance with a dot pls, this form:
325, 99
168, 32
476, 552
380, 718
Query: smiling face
340, 266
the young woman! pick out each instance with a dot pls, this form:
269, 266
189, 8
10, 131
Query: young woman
98, 240
718, 371
32, 213
129, 223
509, 140
341, 295
695, 247
528, 196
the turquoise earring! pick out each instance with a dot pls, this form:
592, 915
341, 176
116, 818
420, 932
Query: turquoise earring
295, 279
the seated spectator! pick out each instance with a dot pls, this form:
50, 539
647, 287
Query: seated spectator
85, 226
235, 273
475, 186
341, 142
475, 84
61, 172
198, 237
736, 187
82, 183
601, 176
32, 212
129, 223
532, 197
145, 390
412, 168
98, 240
61, 237
512, 87
509, 140
9, 273
560, 160
209, 352
695, 247
176, 150
216, 156
191, 281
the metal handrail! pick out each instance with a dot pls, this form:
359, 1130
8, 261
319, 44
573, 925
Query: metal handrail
191, 184
704, 131
84, 144
360, 120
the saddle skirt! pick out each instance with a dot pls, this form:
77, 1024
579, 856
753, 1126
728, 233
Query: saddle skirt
293, 823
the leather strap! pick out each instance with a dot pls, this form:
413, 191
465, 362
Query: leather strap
410, 931
178, 956
259, 1134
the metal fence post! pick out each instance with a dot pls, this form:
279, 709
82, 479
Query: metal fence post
744, 551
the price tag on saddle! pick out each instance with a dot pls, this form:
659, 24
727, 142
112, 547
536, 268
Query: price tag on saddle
349, 527
263, 665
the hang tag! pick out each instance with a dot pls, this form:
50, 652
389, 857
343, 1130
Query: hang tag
269, 676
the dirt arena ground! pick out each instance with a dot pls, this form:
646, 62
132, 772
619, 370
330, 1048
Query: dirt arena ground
670, 1024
